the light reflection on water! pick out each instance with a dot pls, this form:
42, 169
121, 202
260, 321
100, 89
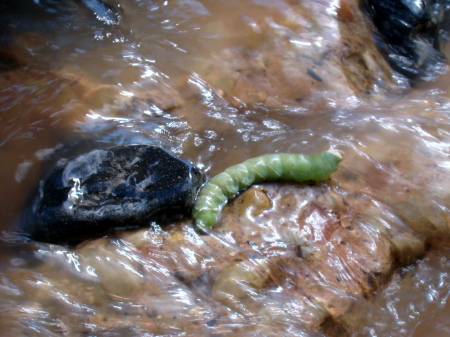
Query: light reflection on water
215, 83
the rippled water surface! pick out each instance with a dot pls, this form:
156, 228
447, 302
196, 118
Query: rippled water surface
215, 83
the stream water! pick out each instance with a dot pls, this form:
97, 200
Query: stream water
215, 83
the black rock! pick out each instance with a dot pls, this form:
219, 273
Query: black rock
124, 186
407, 32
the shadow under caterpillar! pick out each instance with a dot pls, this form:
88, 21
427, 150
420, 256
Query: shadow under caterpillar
270, 167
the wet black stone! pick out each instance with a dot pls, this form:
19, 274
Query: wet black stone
408, 33
124, 186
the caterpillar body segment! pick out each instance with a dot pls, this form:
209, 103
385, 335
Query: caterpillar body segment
270, 167
267, 167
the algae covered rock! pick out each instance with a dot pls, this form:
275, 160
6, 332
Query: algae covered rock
124, 186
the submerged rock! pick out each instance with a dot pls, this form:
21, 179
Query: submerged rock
125, 186
274, 61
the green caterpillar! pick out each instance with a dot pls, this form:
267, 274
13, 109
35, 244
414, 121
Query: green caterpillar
270, 167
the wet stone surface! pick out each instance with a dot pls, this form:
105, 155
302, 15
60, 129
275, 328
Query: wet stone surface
407, 32
125, 186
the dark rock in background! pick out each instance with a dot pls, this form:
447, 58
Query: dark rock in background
408, 35
124, 186
35, 28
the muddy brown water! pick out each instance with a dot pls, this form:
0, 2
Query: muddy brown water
215, 83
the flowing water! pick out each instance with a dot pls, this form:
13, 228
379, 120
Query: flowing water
214, 82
